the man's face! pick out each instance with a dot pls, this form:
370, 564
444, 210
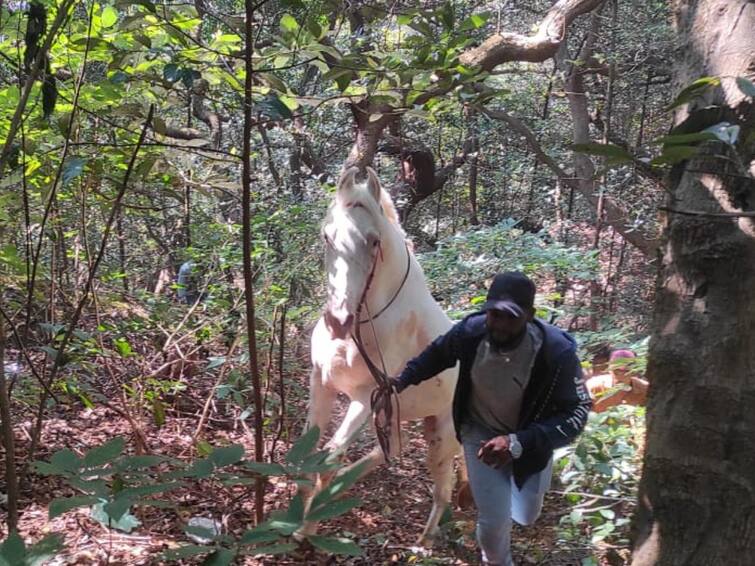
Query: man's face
505, 328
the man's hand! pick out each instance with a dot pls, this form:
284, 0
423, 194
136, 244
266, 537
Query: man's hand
495, 452
396, 385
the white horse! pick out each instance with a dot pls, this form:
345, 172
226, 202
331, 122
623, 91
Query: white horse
362, 235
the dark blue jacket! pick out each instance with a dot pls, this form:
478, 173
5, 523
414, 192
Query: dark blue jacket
555, 404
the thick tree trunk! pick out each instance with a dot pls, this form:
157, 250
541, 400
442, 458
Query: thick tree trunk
697, 494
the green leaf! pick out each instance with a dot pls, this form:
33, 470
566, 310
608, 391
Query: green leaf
474, 21
64, 504
613, 152
288, 23
143, 461
126, 523
187, 551
255, 536
104, 454
683, 139
333, 509
335, 545
274, 108
674, 154
227, 455
302, 447
201, 469
694, 90
44, 550
72, 169
338, 485
221, 557
118, 507
65, 460
123, 347
746, 86
109, 17
13, 549
276, 548
265, 468
172, 72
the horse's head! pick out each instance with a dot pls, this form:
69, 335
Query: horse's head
352, 232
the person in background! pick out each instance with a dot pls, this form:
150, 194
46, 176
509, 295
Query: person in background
519, 396
621, 386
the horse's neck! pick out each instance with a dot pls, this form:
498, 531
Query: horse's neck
407, 289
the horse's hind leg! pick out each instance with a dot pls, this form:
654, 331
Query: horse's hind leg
441, 449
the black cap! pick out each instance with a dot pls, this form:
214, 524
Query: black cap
512, 291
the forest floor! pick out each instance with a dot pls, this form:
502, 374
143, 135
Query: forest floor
396, 498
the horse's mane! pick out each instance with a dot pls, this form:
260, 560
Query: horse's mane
386, 202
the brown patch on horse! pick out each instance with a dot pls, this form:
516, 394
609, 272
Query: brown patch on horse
411, 327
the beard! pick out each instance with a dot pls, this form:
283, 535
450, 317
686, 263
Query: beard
506, 342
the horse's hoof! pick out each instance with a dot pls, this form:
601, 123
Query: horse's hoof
426, 541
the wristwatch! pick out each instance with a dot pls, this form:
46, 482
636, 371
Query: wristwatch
514, 446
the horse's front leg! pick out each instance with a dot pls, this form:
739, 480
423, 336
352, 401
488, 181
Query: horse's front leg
356, 415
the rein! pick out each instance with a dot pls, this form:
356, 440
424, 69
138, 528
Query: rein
381, 398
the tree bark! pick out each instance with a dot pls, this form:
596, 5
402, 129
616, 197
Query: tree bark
697, 493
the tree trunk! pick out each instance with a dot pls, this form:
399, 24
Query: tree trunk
697, 494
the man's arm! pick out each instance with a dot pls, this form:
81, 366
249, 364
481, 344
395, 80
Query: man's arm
440, 354
573, 401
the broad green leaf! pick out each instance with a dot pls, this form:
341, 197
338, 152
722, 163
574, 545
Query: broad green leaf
221, 557
255, 536
611, 151
275, 548
272, 107
338, 485
105, 454
142, 461
302, 447
295, 511
123, 347
695, 89
746, 86
109, 16
266, 468
187, 551
126, 523
335, 545
65, 460
289, 23
43, 551
118, 507
683, 139
64, 504
201, 469
227, 455
674, 154
172, 72
332, 509
13, 549
150, 489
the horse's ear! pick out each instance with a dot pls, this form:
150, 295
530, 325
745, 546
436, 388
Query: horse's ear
373, 184
346, 180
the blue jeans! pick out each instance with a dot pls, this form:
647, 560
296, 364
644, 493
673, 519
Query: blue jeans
498, 499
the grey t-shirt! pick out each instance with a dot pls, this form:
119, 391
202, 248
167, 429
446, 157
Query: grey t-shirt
499, 380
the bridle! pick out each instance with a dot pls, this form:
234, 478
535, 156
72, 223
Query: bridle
381, 398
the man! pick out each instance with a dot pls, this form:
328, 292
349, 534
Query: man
621, 386
519, 396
